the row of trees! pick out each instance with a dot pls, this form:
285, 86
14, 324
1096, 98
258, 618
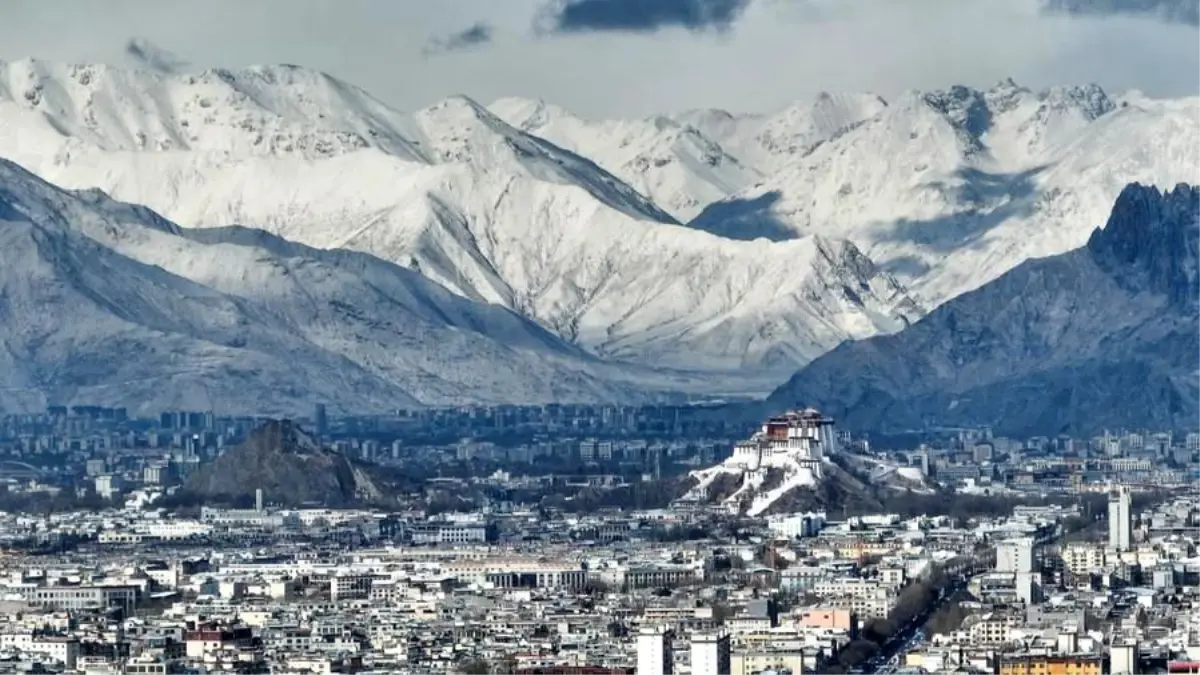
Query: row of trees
914, 603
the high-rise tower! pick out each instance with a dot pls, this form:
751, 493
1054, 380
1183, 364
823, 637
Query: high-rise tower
1120, 519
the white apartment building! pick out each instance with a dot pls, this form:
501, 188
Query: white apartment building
62, 650
1015, 555
516, 572
655, 655
1083, 558
173, 529
711, 654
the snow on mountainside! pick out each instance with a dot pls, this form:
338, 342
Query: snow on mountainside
948, 190
769, 142
943, 190
672, 163
484, 209
108, 302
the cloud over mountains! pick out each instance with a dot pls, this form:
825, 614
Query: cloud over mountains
478, 33
1170, 11
642, 16
148, 55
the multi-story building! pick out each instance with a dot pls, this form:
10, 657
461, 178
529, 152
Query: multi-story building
1015, 555
1120, 519
777, 660
451, 533
517, 572
655, 655
350, 587
1052, 664
81, 597
830, 618
711, 654
1083, 559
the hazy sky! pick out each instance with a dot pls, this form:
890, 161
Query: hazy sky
630, 57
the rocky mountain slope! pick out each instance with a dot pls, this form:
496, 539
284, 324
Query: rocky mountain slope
490, 212
1105, 336
104, 302
288, 465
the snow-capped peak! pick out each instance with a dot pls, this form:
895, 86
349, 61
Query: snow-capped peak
530, 115
255, 111
1089, 100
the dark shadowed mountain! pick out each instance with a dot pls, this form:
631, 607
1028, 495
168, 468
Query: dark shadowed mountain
290, 467
1105, 336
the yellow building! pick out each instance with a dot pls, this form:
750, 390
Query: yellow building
1052, 665
748, 663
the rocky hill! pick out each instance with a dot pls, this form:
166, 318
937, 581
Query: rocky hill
1105, 336
289, 465
847, 484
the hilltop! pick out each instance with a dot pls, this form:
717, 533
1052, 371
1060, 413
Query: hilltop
288, 464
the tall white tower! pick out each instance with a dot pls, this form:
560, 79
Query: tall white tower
654, 653
1120, 519
711, 654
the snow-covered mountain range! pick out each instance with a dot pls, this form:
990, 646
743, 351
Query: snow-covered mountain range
105, 301
492, 213
733, 247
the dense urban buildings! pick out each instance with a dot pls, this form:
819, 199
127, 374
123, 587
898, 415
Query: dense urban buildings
577, 540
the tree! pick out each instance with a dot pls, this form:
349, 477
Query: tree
474, 666
596, 586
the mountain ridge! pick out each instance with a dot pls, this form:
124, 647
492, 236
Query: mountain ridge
266, 325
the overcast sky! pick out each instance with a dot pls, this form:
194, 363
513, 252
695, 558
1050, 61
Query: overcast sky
631, 57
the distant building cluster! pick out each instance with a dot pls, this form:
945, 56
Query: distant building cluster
977, 460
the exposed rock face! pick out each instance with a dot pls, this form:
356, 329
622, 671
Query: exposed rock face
288, 465
1150, 243
1104, 336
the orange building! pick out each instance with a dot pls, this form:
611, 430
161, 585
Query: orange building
1040, 664
828, 617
